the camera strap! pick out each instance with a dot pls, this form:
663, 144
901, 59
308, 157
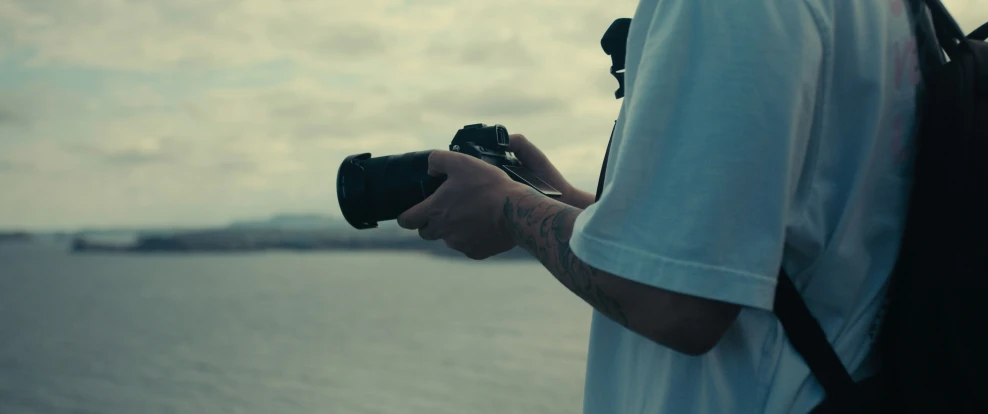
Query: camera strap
603, 168
615, 43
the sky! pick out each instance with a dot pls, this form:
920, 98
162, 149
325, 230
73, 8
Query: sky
117, 113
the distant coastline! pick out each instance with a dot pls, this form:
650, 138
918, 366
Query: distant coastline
286, 232
15, 237
258, 241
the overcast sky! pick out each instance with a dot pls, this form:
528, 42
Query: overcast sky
198, 112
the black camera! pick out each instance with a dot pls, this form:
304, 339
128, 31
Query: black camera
370, 190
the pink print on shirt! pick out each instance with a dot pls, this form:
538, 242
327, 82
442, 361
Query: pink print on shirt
905, 75
896, 6
905, 60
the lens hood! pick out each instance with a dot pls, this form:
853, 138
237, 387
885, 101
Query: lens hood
351, 192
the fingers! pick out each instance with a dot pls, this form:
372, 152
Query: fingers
428, 232
441, 162
461, 247
417, 216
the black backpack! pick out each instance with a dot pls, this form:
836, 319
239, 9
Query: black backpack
932, 344
933, 340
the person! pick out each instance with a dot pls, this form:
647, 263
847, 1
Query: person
753, 135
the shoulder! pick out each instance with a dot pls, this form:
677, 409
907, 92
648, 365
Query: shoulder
730, 19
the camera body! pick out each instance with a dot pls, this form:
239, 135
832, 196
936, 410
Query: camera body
491, 144
370, 190
488, 143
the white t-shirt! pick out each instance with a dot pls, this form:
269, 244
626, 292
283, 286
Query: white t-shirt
752, 133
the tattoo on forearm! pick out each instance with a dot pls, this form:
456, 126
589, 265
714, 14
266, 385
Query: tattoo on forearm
543, 227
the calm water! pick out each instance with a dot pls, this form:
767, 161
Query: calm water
285, 333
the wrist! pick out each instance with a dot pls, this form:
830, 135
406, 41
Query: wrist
516, 197
570, 194
577, 198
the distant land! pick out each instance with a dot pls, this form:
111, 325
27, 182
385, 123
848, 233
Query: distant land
281, 232
14, 237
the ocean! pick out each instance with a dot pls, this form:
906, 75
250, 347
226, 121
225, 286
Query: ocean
282, 332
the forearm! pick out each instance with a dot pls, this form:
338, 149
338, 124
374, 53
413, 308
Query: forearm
543, 226
687, 324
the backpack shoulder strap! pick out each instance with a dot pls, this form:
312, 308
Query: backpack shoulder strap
948, 33
810, 341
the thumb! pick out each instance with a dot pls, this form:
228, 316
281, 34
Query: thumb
529, 155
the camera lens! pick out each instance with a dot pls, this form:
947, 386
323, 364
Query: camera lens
370, 190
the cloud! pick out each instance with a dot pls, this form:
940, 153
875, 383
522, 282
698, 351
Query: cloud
509, 51
9, 116
10, 166
202, 111
17, 110
175, 34
493, 102
125, 157
353, 41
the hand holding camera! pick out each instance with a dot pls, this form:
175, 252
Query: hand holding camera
538, 163
370, 190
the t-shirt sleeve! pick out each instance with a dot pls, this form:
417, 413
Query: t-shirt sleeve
708, 149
